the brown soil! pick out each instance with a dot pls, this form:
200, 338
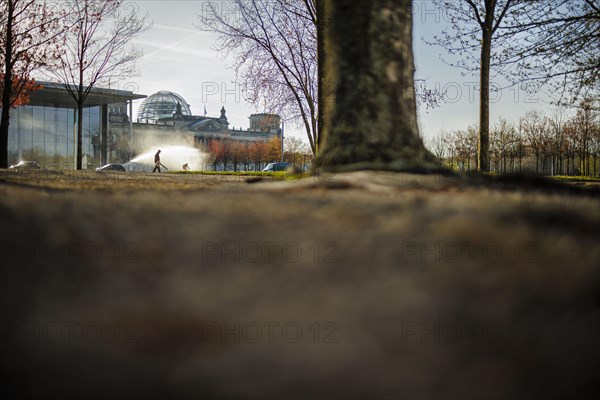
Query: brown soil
364, 284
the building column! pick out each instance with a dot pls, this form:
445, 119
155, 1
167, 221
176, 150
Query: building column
104, 134
131, 122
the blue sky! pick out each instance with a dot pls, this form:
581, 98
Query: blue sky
179, 58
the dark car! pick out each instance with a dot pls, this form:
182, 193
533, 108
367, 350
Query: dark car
272, 167
111, 167
25, 165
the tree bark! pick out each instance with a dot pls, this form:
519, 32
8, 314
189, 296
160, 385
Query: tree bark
5, 121
483, 148
79, 155
80, 99
7, 91
322, 94
369, 117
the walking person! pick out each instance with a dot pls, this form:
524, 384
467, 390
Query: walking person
157, 162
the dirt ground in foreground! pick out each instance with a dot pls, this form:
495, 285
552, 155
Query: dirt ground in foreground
355, 285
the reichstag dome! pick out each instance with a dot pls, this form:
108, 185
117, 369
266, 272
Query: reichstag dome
161, 105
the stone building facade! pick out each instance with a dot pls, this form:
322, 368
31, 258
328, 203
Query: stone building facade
180, 126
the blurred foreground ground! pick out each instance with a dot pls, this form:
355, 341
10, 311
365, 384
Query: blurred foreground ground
357, 285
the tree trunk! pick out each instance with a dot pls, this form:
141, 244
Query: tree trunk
560, 164
4, 123
322, 94
369, 118
7, 92
483, 160
79, 135
587, 163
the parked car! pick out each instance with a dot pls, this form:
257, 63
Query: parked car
111, 167
25, 165
272, 167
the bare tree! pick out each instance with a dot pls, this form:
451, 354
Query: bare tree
502, 137
258, 153
237, 154
214, 149
466, 148
584, 122
570, 148
556, 43
245, 154
595, 147
226, 153
557, 128
438, 146
520, 147
535, 127
449, 142
294, 149
97, 50
274, 46
29, 39
474, 24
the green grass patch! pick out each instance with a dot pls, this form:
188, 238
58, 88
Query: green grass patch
239, 173
277, 176
565, 178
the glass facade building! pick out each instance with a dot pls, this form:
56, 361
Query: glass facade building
48, 135
45, 130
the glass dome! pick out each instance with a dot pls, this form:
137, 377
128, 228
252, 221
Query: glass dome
161, 105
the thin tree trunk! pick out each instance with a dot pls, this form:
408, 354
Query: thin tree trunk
369, 120
561, 165
80, 100
5, 122
79, 135
483, 160
587, 163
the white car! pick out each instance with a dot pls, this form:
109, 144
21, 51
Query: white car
272, 167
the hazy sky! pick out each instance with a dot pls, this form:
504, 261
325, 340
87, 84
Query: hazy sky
179, 58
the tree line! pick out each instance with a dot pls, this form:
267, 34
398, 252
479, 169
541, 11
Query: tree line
238, 155
556, 144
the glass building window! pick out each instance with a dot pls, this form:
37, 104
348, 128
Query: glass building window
47, 135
